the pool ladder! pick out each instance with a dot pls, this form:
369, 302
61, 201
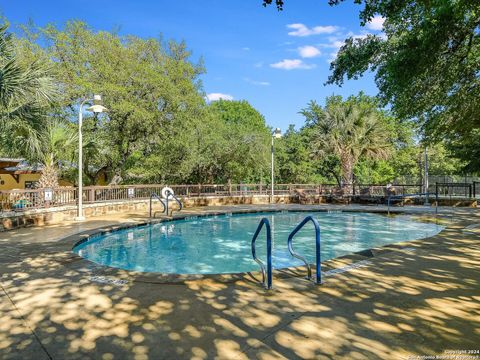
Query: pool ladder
266, 278
165, 204
267, 272
169, 194
154, 195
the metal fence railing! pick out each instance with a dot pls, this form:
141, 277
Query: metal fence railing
18, 200
37, 198
455, 190
432, 179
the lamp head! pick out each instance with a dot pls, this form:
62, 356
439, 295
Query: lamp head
97, 99
97, 106
277, 133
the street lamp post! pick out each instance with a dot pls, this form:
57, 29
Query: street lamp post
426, 177
276, 134
97, 107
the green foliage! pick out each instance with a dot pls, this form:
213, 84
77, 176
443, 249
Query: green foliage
295, 162
54, 147
349, 130
278, 3
467, 149
442, 161
426, 65
152, 93
26, 91
227, 143
374, 172
160, 129
241, 141
53, 143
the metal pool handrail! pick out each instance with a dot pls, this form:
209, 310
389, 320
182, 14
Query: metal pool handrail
318, 278
161, 201
268, 283
170, 194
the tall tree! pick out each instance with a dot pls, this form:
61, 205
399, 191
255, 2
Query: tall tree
53, 146
238, 144
350, 130
26, 91
151, 89
426, 63
296, 161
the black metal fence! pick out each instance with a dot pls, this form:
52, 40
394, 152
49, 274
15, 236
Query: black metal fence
455, 190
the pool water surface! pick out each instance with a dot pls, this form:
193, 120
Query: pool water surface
221, 244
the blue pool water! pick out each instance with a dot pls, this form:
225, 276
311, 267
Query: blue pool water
221, 244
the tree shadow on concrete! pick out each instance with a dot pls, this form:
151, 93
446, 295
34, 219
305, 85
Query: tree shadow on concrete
417, 300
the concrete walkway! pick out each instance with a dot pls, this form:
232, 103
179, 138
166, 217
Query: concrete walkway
419, 299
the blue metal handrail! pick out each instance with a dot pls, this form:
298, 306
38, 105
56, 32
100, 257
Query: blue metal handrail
265, 222
170, 194
318, 278
161, 201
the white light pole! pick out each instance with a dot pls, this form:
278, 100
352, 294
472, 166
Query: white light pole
276, 134
426, 177
96, 108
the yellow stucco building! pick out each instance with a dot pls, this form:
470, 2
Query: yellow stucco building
13, 176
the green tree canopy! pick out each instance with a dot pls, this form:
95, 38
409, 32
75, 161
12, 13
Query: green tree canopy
349, 129
426, 64
151, 89
26, 92
245, 136
53, 146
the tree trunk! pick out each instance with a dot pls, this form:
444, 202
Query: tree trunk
347, 174
49, 177
116, 179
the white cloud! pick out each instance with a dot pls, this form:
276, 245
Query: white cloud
218, 96
376, 23
258, 83
302, 30
308, 51
291, 64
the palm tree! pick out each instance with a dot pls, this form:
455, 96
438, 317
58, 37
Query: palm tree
350, 130
53, 146
26, 91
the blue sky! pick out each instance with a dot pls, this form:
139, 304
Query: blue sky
278, 61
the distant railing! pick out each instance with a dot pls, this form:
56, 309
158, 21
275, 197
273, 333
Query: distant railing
456, 190
18, 200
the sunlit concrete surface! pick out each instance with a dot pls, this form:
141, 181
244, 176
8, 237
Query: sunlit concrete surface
418, 299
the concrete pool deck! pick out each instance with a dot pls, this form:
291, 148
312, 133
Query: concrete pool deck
420, 299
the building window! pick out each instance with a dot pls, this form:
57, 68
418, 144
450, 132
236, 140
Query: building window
30, 184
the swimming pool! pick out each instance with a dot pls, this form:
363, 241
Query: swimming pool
221, 244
